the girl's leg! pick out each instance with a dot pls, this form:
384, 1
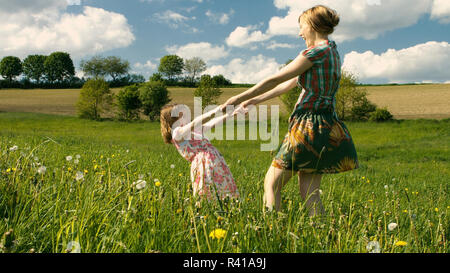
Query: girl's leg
309, 190
273, 183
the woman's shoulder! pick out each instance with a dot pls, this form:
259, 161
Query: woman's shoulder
317, 53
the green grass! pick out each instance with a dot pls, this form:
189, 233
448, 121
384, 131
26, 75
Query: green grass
106, 213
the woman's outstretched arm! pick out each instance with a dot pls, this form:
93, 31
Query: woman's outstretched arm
277, 91
198, 121
297, 67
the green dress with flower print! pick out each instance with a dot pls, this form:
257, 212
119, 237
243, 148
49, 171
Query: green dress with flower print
317, 141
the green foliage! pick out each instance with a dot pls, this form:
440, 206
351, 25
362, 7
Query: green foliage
171, 66
94, 67
194, 67
33, 67
290, 98
128, 102
351, 101
153, 95
10, 67
155, 77
220, 80
208, 91
58, 67
95, 98
115, 66
381, 114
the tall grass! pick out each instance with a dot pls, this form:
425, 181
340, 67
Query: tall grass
403, 179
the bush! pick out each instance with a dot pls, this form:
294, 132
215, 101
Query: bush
381, 114
95, 97
153, 95
290, 98
351, 101
128, 102
208, 91
220, 80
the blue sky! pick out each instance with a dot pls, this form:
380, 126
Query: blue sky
245, 40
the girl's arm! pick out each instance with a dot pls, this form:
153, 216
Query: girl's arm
297, 67
186, 129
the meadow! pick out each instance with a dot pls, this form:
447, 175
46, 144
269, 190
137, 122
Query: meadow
68, 184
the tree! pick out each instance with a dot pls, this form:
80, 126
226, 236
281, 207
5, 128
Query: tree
351, 101
128, 102
208, 91
33, 67
193, 67
156, 77
220, 80
94, 67
10, 67
290, 98
153, 95
95, 98
58, 67
115, 67
170, 66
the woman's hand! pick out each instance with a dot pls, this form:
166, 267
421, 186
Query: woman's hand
231, 101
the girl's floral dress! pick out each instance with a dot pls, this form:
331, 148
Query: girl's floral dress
317, 141
210, 174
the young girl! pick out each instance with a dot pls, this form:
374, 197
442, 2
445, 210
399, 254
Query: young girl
210, 175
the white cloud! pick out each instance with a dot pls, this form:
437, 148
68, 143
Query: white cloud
274, 45
145, 69
219, 18
366, 19
171, 18
41, 27
203, 50
241, 37
253, 70
441, 11
428, 62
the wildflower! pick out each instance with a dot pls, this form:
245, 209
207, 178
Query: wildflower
392, 226
85, 171
140, 184
73, 247
373, 247
172, 166
180, 174
76, 161
41, 170
14, 148
8, 170
406, 189
370, 201
68, 158
386, 187
220, 219
436, 209
95, 167
158, 183
218, 233
179, 210
405, 211
77, 156
128, 151
69, 169
401, 243
79, 176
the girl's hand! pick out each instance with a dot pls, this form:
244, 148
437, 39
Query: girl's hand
243, 107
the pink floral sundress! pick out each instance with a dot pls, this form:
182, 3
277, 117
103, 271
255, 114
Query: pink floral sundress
209, 171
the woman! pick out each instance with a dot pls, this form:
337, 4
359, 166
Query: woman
317, 142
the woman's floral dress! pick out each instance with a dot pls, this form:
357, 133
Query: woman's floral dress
317, 141
210, 174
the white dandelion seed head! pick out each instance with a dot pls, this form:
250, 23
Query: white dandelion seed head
172, 166
373, 247
68, 158
14, 148
79, 176
41, 170
320, 192
392, 226
386, 187
73, 247
140, 184
141, 176
77, 156
128, 151
155, 180
76, 161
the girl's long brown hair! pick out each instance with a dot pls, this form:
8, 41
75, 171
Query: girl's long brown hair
166, 122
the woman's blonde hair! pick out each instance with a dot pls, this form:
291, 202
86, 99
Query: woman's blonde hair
322, 19
166, 122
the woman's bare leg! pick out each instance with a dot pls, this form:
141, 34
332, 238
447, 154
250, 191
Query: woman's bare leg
273, 183
309, 190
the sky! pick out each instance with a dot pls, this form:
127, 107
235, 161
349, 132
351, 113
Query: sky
380, 41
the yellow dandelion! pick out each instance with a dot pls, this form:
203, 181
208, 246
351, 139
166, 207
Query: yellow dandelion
14, 169
370, 201
401, 243
101, 157
218, 233
112, 155
8, 170
157, 183
436, 209
95, 167
179, 210
69, 169
405, 211
85, 171
180, 174
220, 219
406, 189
